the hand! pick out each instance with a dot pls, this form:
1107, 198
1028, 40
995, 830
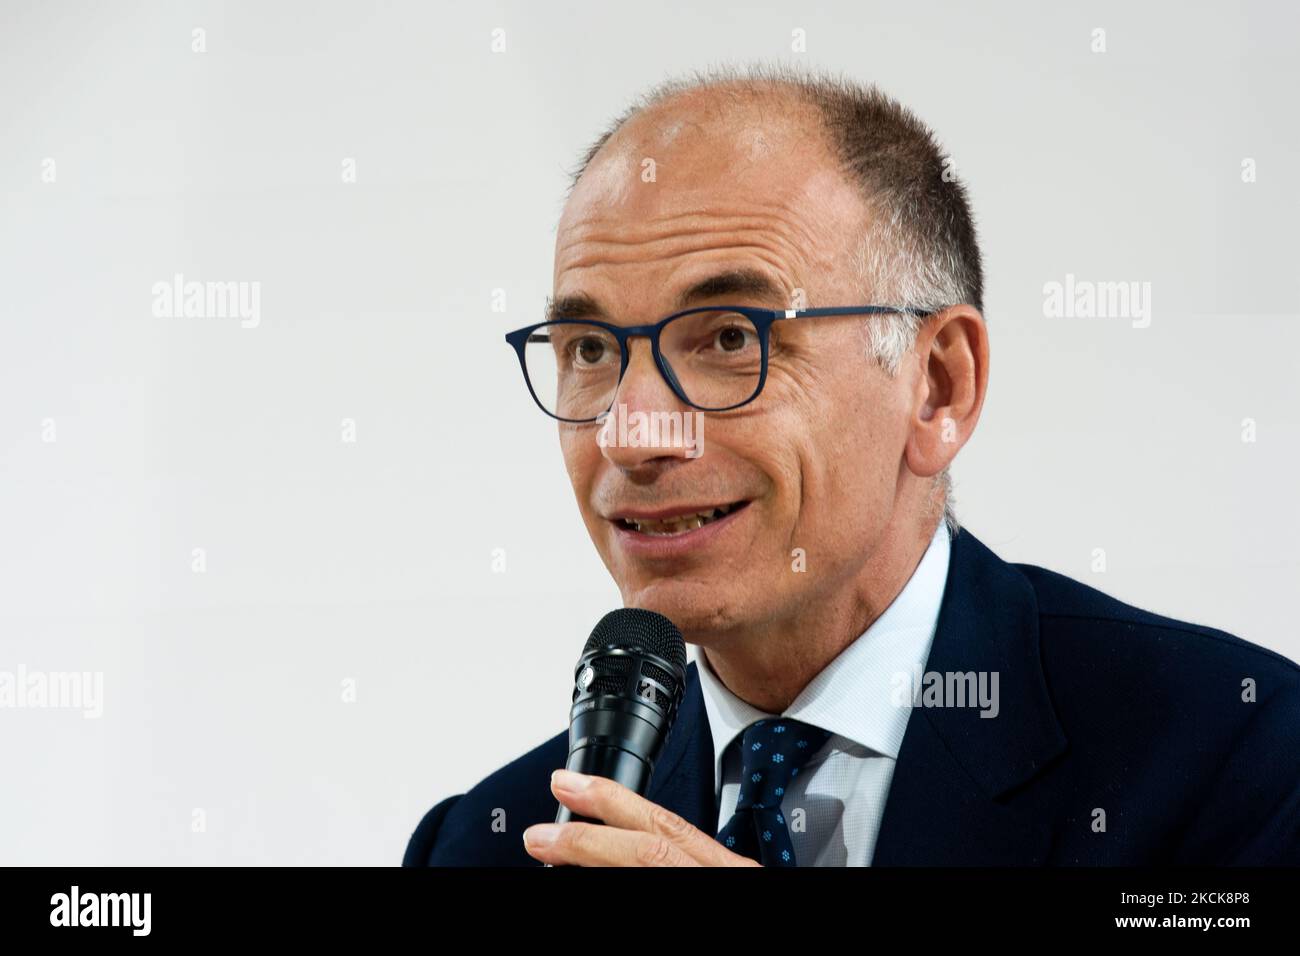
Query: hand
636, 832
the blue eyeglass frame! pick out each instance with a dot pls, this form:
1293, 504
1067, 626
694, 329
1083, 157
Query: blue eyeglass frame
762, 319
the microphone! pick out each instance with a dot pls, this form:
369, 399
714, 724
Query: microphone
627, 688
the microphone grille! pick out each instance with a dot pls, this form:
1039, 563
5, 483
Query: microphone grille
637, 626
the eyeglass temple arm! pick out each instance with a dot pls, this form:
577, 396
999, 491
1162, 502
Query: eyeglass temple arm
806, 314
852, 310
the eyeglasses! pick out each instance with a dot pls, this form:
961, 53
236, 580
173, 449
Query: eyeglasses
713, 358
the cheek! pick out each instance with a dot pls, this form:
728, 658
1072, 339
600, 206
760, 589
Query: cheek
581, 457
849, 466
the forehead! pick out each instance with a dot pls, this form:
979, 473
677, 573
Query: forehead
705, 174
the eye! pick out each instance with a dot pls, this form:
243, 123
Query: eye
733, 338
589, 350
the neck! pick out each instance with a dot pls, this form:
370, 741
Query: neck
768, 666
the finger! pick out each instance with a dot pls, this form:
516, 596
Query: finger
590, 844
610, 801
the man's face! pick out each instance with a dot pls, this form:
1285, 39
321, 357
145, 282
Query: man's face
812, 466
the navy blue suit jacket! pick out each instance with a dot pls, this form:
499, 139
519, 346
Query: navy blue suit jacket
1102, 706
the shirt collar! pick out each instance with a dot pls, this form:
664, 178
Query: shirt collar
854, 696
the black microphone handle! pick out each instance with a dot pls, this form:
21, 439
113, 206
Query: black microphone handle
604, 760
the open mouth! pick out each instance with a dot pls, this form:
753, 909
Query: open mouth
679, 523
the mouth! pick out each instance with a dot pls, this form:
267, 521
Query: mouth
675, 522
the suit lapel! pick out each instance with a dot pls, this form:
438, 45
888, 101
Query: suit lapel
682, 780
945, 803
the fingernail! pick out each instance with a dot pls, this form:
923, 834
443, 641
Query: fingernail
542, 834
571, 781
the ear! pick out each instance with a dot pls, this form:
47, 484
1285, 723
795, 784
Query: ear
952, 350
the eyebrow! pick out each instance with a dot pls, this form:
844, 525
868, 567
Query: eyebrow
749, 284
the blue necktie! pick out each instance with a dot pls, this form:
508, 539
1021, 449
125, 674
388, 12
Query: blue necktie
772, 751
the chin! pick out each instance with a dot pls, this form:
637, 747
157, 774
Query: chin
697, 608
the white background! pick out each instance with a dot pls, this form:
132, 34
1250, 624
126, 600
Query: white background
372, 561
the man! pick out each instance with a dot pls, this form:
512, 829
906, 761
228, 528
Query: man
874, 686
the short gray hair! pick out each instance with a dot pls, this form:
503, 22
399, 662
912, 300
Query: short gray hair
920, 249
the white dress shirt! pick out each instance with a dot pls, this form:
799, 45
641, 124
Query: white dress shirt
856, 697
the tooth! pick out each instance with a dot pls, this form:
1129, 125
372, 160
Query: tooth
679, 524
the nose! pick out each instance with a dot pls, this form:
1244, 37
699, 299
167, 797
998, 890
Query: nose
647, 421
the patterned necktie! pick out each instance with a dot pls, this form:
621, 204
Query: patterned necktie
771, 752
